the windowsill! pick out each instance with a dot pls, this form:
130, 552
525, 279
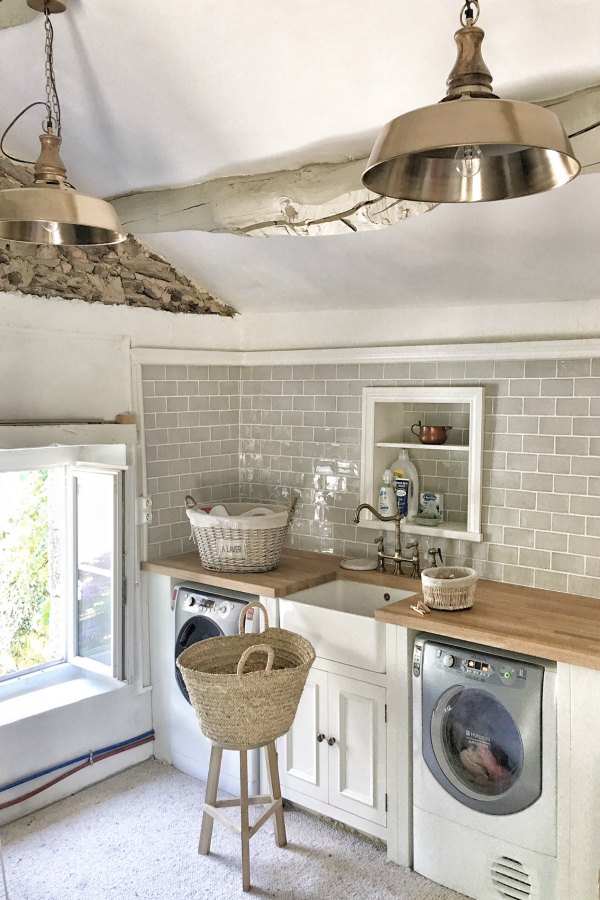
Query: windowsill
49, 689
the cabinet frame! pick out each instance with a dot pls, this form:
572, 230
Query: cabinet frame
374, 400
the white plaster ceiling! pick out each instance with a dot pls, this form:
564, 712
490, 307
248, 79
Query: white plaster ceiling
157, 94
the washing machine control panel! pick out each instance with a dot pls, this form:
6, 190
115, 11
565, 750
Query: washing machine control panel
199, 604
474, 667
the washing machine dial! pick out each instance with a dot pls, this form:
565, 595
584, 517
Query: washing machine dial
224, 609
448, 660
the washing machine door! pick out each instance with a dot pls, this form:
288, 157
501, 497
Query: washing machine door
474, 747
198, 628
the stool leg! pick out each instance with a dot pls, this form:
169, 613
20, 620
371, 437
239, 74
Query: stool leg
273, 771
245, 823
212, 784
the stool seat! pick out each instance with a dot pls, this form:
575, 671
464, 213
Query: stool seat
212, 807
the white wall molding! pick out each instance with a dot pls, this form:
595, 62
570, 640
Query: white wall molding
578, 348
167, 356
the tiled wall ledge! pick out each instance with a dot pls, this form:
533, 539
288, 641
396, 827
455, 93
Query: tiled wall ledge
261, 431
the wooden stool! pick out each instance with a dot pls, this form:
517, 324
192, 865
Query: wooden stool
212, 807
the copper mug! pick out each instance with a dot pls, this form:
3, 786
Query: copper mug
431, 434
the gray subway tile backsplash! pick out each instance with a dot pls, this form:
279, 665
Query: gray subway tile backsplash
234, 433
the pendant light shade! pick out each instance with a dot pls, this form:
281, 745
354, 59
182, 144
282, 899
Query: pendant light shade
57, 215
51, 211
472, 145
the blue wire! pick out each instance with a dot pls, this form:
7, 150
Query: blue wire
77, 759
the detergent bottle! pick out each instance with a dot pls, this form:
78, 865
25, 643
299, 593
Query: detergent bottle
406, 484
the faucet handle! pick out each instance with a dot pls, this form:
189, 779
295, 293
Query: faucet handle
434, 552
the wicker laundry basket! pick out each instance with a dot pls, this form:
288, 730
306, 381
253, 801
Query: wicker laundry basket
241, 703
449, 587
240, 543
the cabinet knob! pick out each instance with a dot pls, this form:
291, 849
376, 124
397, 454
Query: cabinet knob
331, 741
320, 738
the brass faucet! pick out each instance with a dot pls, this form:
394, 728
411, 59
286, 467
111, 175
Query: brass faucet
397, 558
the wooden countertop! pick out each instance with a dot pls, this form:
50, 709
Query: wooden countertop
562, 627
298, 569
548, 624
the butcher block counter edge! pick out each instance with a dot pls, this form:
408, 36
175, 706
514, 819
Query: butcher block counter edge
298, 570
548, 624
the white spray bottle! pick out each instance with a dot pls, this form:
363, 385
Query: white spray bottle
387, 495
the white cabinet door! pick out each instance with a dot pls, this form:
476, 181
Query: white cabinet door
303, 759
357, 760
349, 774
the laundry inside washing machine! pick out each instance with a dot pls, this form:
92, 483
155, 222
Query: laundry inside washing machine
484, 768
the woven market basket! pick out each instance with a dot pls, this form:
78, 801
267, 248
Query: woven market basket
240, 701
239, 543
449, 587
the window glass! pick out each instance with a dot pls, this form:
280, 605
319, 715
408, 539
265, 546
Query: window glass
95, 563
62, 534
481, 742
32, 569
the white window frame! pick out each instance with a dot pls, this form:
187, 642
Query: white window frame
115, 668
111, 448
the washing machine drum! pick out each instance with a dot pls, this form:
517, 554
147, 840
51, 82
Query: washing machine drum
481, 742
195, 629
475, 750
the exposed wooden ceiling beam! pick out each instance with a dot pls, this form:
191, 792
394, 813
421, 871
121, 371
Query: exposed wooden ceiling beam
317, 198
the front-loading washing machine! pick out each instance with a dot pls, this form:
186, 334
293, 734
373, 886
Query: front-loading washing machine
484, 770
195, 612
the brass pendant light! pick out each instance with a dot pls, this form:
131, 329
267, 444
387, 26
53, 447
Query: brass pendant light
471, 146
50, 211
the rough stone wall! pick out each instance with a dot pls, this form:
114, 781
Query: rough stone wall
127, 273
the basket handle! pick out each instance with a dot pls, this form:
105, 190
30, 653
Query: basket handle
242, 620
292, 508
190, 502
257, 648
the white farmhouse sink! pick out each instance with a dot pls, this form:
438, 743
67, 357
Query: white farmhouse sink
338, 619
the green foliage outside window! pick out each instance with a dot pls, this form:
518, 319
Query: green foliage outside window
25, 601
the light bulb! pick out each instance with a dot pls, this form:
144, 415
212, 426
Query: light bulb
50, 227
468, 160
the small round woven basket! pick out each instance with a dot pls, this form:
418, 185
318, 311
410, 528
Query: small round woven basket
449, 587
245, 688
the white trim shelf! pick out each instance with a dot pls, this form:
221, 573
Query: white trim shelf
386, 412
449, 529
409, 446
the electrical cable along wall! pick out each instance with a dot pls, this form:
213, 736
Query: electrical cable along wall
79, 763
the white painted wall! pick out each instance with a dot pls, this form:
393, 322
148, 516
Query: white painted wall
142, 327
421, 324
25, 320
48, 371
68, 732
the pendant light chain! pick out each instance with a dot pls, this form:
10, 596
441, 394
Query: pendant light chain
468, 16
52, 123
